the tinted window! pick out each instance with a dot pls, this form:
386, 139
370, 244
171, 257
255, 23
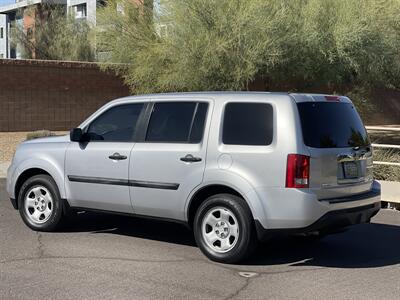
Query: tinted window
198, 124
331, 125
179, 122
116, 124
248, 124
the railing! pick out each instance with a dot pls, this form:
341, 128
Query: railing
385, 146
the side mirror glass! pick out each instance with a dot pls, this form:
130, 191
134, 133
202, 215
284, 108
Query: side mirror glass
76, 135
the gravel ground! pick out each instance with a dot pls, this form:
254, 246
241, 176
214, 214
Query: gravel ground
9, 142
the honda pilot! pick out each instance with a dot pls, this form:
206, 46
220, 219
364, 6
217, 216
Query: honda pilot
236, 167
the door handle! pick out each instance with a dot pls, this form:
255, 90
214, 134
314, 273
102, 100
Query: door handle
117, 156
190, 158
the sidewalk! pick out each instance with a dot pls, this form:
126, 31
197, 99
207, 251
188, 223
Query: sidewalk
390, 191
3, 169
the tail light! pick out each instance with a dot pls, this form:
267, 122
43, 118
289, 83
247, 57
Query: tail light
297, 171
332, 98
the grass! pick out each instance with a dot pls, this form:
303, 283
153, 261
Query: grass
382, 172
384, 137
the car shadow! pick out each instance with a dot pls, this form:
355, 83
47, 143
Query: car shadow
152, 229
362, 246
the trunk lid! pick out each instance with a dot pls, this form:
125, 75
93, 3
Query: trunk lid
339, 147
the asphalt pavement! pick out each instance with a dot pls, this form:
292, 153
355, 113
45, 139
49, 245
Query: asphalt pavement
101, 256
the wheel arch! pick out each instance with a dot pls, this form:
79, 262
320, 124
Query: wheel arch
208, 190
28, 170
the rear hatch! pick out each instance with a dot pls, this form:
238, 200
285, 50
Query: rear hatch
339, 147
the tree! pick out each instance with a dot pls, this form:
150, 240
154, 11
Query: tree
330, 45
55, 35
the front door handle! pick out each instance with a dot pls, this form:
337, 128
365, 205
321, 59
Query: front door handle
117, 156
190, 158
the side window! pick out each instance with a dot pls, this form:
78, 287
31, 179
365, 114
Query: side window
117, 124
177, 122
248, 124
196, 134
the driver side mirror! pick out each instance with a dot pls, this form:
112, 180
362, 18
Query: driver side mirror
76, 135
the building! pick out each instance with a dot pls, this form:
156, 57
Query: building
84, 9
19, 14
3, 37
22, 13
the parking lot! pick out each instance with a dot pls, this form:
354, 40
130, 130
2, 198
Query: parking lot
104, 256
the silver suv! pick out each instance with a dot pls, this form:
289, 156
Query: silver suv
235, 167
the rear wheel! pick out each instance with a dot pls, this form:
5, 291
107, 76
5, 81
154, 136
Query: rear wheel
40, 203
223, 228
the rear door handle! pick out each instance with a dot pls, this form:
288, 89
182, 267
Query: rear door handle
190, 158
117, 156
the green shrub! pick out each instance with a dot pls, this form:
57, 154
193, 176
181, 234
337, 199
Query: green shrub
57, 35
39, 134
318, 45
384, 172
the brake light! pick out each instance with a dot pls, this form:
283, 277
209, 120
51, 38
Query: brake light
297, 171
332, 98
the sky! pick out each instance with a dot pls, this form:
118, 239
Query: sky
4, 2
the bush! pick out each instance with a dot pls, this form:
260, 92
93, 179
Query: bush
318, 45
382, 172
39, 134
56, 35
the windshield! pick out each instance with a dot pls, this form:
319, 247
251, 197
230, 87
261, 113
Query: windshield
331, 125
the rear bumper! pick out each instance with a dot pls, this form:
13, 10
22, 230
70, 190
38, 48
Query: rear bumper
298, 208
330, 221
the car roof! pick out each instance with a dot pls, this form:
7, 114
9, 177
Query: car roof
233, 95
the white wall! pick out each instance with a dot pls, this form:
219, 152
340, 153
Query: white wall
3, 41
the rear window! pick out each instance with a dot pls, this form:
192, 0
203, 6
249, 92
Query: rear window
331, 125
248, 124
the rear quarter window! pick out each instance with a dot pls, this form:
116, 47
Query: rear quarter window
248, 124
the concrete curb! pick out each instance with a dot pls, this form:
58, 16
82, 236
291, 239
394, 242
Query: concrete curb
390, 191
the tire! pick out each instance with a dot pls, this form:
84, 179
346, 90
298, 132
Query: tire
224, 229
40, 204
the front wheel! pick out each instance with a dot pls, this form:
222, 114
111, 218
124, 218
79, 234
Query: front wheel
224, 229
39, 203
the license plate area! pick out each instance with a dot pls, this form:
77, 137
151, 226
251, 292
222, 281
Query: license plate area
350, 170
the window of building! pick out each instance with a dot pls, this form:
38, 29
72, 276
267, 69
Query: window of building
29, 33
13, 53
163, 30
101, 3
248, 124
1, 32
1, 55
177, 122
120, 8
80, 11
117, 124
